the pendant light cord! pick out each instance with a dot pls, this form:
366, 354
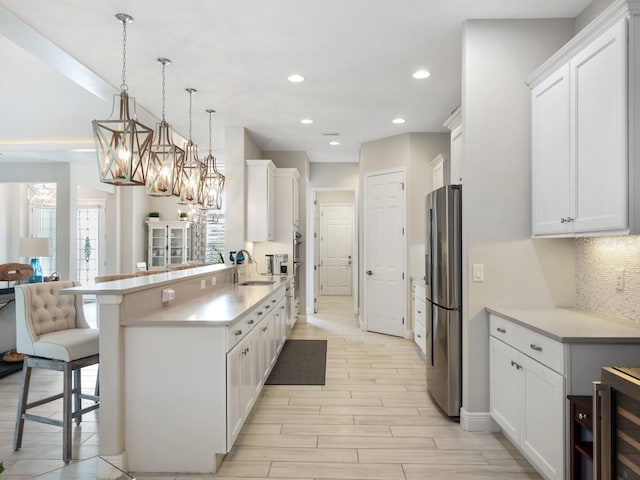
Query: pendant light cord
210, 132
164, 64
190, 107
124, 86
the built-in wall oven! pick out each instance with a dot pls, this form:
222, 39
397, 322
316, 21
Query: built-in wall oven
297, 263
616, 406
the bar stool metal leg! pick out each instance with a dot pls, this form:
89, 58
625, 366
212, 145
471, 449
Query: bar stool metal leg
22, 405
66, 414
77, 394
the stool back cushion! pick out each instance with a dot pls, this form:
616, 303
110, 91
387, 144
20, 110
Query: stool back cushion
40, 309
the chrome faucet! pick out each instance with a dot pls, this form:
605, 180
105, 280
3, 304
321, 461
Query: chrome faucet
235, 264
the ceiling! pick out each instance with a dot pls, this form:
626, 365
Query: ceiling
62, 62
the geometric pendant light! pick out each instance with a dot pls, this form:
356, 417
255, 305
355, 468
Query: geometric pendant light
165, 155
214, 182
122, 144
191, 171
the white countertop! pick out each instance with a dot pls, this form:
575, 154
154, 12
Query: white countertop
135, 284
223, 306
570, 325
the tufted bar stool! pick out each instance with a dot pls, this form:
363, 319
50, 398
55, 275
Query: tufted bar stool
53, 334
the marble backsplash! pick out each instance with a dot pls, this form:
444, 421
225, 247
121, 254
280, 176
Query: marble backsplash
599, 265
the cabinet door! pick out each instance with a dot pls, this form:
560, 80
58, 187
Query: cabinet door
542, 420
457, 155
234, 399
266, 347
505, 387
599, 84
271, 202
177, 243
551, 155
157, 254
247, 387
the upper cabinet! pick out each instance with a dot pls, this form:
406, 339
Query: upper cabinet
287, 203
261, 201
456, 163
585, 178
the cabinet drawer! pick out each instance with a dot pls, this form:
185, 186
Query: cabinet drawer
419, 291
419, 312
420, 337
541, 348
241, 328
504, 330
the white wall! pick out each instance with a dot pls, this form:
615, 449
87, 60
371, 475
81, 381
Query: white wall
336, 197
497, 58
594, 9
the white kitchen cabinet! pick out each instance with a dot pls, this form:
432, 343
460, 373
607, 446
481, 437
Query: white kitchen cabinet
287, 204
527, 396
439, 172
551, 159
168, 243
261, 201
456, 165
583, 160
542, 422
418, 298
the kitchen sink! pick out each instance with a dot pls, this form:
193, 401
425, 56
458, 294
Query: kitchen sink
257, 282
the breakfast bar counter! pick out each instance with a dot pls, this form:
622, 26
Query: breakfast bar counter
183, 357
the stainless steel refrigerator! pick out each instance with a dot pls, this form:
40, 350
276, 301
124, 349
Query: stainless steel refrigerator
443, 276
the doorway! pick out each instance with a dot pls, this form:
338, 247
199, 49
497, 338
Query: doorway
385, 252
336, 248
335, 239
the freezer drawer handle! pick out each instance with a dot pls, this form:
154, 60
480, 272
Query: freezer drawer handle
501, 330
535, 347
369, 272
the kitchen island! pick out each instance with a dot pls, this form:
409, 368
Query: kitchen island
183, 357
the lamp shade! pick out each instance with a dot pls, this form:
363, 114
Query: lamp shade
35, 247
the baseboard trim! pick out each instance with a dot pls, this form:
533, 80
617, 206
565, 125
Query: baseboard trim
120, 461
477, 422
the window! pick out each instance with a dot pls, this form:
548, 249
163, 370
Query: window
43, 224
215, 238
87, 244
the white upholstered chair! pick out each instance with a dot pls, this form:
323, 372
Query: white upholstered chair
53, 334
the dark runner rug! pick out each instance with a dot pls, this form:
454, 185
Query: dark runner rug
301, 362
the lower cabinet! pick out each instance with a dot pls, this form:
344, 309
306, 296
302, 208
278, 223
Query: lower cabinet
418, 299
250, 361
527, 401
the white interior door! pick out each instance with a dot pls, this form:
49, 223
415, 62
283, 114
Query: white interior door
384, 243
336, 238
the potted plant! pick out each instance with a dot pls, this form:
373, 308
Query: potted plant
153, 216
1, 467
183, 216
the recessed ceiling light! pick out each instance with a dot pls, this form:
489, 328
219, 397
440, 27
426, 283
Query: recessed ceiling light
306, 121
333, 143
296, 78
398, 120
421, 74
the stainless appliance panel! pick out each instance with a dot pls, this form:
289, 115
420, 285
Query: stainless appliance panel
443, 260
616, 440
446, 359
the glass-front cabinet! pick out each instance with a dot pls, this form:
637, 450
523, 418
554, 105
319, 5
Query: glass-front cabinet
168, 243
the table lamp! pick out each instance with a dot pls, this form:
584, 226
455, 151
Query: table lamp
35, 248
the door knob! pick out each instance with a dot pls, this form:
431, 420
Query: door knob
369, 272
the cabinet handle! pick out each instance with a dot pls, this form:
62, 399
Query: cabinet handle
419, 311
513, 364
273, 301
264, 329
237, 332
535, 347
419, 336
518, 366
569, 219
251, 322
563, 220
259, 313
267, 306
582, 416
501, 330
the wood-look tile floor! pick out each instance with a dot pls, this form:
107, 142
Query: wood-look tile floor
372, 420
